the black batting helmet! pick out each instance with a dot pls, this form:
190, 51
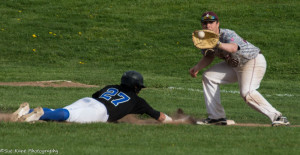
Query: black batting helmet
133, 79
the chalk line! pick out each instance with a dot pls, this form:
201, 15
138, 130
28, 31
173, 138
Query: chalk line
228, 91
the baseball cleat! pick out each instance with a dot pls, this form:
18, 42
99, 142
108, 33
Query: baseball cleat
281, 121
208, 121
23, 110
33, 116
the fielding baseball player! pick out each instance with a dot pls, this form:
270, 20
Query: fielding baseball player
244, 63
106, 105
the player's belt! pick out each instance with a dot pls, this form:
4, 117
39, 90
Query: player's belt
260, 52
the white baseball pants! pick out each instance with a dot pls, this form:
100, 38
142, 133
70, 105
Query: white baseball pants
87, 110
248, 76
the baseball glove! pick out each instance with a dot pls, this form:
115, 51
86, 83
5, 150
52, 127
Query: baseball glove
209, 40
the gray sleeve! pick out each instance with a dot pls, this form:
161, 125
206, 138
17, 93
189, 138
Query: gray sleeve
246, 51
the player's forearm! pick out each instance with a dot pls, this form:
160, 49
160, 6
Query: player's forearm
229, 47
204, 62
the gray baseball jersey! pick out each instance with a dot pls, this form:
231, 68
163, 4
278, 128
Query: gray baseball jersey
246, 50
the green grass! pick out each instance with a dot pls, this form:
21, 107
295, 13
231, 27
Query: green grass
154, 38
166, 139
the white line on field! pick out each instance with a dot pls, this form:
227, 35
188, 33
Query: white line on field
228, 91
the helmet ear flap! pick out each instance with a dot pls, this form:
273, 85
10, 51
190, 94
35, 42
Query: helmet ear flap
137, 89
133, 80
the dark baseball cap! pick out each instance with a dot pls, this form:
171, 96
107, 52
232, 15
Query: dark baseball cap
209, 16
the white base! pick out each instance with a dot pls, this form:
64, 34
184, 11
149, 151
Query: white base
229, 122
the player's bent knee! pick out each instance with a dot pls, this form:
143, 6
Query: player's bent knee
244, 94
250, 96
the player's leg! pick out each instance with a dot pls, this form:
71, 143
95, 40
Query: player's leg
250, 76
45, 110
218, 74
87, 110
55, 114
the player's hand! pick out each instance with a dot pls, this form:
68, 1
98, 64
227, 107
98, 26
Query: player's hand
194, 72
164, 118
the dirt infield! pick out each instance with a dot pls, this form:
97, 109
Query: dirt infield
52, 83
180, 117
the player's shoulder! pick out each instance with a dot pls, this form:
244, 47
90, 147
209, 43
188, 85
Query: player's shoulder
226, 31
227, 35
